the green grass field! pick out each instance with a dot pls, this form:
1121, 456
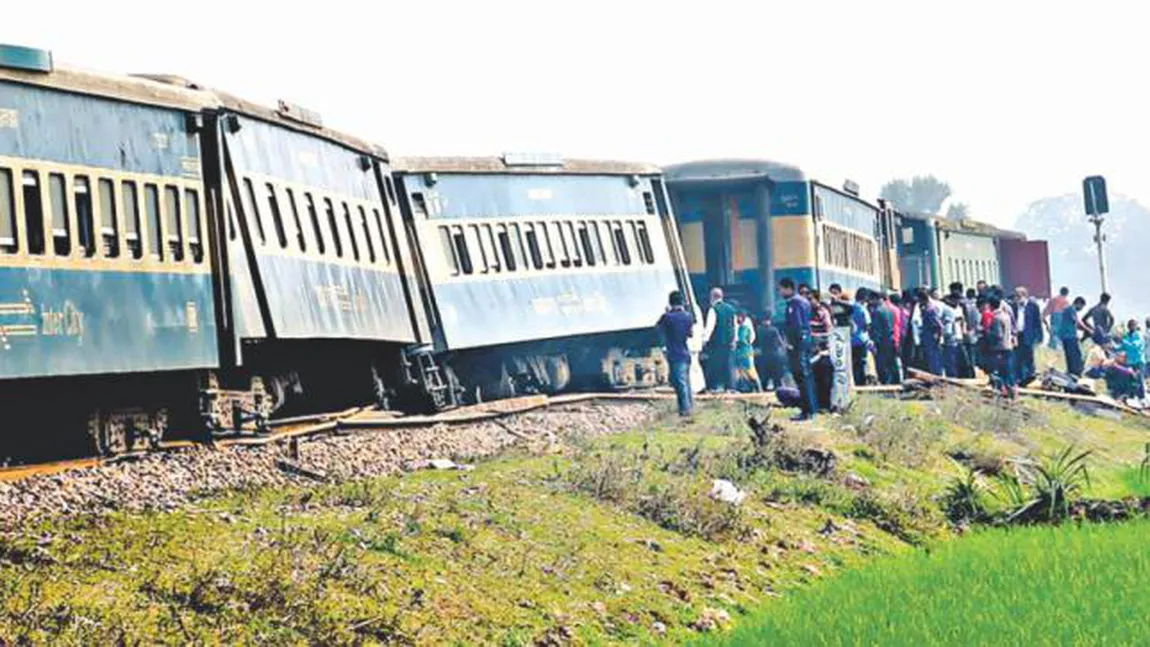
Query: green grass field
1070, 585
610, 540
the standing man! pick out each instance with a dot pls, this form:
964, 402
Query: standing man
967, 315
1028, 322
883, 333
721, 335
930, 332
675, 328
772, 354
860, 335
951, 329
1052, 311
798, 334
1002, 341
1067, 331
1100, 320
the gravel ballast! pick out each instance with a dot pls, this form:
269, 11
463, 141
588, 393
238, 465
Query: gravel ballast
168, 480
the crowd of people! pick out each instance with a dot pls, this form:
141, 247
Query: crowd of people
981, 328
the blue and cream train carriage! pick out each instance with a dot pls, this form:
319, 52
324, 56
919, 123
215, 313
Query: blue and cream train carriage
541, 272
747, 224
172, 256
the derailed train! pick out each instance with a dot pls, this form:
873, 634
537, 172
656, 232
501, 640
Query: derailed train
174, 257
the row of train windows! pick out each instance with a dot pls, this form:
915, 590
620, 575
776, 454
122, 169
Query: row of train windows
970, 271
559, 244
849, 250
339, 223
99, 204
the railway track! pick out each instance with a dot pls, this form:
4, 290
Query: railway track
366, 418
349, 420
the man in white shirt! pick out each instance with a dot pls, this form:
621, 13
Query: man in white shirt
720, 332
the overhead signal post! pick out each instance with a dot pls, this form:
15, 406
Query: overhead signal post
1097, 206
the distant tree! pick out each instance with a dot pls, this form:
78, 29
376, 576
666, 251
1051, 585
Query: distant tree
924, 193
957, 211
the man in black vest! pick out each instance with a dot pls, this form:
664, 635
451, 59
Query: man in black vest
720, 333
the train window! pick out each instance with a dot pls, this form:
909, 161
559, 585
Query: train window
593, 231
644, 238
109, 229
333, 226
585, 241
172, 223
603, 230
61, 232
316, 229
545, 245
390, 188
350, 232
33, 212
559, 244
419, 204
366, 234
192, 208
300, 239
82, 198
474, 240
506, 248
8, 243
449, 249
532, 239
384, 244
490, 250
131, 201
620, 239
517, 246
569, 235
459, 242
277, 217
649, 202
253, 209
152, 209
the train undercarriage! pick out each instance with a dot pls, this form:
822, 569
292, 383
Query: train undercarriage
116, 414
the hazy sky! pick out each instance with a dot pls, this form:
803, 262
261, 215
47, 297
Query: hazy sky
1009, 101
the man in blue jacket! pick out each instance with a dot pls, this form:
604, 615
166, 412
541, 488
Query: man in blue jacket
797, 330
1028, 320
675, 327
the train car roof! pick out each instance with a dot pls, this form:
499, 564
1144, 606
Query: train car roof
482, 165
242, 106
966, 226
728, 170
133, 89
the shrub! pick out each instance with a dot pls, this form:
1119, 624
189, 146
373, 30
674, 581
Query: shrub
964, 499
1048, 487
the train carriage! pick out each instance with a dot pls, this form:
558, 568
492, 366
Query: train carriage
541, 272
936, 251
318, 287
747, 224
104, 264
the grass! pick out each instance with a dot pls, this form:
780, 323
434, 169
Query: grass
1067, 585
610, 541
